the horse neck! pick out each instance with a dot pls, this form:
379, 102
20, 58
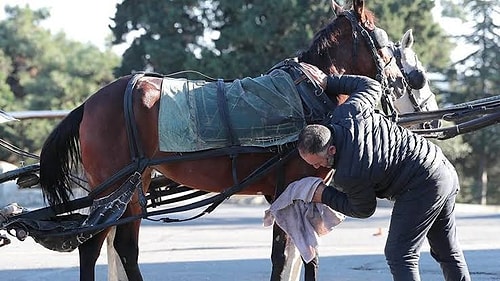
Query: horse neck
336, 60
334, 51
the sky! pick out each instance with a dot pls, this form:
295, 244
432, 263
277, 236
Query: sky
69, 16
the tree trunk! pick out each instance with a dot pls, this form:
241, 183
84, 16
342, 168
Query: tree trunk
483, 171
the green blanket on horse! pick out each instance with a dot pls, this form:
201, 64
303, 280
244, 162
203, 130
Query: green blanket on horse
263, 111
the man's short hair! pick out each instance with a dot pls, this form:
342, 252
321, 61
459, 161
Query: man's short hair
314, 139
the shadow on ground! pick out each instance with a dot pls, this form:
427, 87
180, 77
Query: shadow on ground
484, 266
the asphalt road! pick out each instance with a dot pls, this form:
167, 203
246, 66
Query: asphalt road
231, 244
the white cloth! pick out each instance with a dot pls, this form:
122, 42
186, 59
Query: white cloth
302, 220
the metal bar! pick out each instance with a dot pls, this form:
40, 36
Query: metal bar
11, 175
461, 128
39, 114
448, 114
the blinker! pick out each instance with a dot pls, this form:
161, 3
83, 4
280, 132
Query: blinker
417, 79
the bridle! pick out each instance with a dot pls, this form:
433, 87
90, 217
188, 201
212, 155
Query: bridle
416, 79
376, 39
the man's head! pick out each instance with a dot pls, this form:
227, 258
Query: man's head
316, 147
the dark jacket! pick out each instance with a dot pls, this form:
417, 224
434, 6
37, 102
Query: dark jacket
375, 157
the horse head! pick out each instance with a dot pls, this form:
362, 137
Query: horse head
420, 96
410, 64
352, 44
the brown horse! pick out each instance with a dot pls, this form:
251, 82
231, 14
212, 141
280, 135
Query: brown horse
97, 134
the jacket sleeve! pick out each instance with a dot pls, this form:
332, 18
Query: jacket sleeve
363, 91
359, 204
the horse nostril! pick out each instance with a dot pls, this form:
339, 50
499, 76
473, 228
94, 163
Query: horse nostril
417, 79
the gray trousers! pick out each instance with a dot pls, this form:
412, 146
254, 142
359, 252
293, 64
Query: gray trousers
426, 210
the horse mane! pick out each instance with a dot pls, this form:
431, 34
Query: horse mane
324, 38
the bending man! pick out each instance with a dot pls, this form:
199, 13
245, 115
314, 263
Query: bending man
373, 157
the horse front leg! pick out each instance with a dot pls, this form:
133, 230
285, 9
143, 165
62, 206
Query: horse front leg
88, 253
311, 269
285, 259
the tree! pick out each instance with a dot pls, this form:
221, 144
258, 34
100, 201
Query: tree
397, 16
6, 95
222, 38
239, 38
476, 76
44, 71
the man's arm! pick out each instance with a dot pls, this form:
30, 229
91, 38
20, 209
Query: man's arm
344, 84
361, 204
362, 89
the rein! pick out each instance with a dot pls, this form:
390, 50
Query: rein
372, 44
213, 201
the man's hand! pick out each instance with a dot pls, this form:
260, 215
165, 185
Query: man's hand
315, 73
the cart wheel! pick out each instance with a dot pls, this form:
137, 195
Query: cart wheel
28, 180
21, 234
4, 240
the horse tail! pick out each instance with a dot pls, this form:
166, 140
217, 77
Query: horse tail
59, 156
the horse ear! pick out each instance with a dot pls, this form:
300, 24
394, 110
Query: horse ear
407, 40
337, 9
359, 8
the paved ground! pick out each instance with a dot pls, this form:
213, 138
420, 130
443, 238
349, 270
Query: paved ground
231, 244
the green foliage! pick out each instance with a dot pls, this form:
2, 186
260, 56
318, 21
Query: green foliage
42, 71
240, 38
248, 36
455, 148
431, 43
476, 76
258, 34
6, 96
452, 9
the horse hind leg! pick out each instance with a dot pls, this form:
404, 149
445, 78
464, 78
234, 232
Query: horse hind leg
285, 259
311, 269
116, 272
89, 252
126, 238
287, 262
126, 245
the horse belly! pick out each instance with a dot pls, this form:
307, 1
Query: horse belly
216, 174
